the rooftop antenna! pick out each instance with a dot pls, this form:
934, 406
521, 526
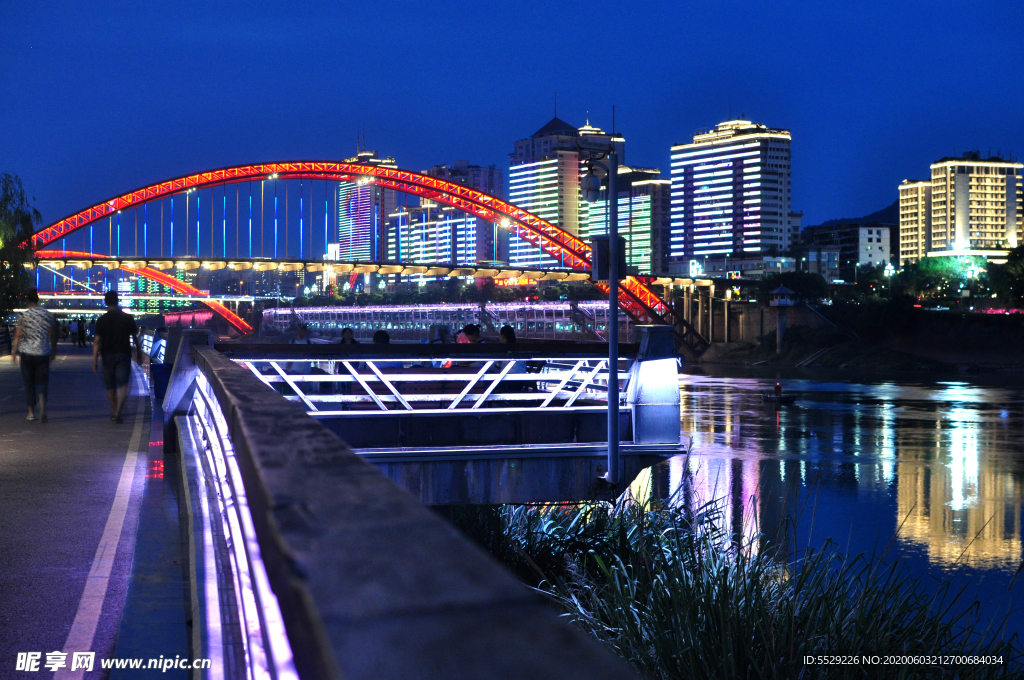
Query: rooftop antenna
556, 104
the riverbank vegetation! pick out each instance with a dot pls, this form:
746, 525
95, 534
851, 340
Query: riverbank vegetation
678, 597
18, 219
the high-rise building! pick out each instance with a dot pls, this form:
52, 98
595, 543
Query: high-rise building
730, 192
487, 180
915, 219
975, 205
544, 179
796, 220
431, 233
644, 210
859, 243
363, 208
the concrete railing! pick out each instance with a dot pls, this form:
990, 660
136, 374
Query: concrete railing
347, 576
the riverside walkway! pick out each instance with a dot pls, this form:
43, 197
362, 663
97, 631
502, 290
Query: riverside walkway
70, 495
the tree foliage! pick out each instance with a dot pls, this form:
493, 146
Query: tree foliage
935, 277
1007, 280
805, 285
17, 222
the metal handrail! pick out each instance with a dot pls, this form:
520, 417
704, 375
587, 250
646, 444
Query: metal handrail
558, 387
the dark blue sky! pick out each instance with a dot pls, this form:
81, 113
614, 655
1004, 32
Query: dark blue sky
98, 97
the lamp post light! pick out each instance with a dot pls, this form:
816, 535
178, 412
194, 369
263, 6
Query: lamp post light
591, 186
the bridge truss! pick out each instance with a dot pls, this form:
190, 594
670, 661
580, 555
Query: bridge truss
636, 297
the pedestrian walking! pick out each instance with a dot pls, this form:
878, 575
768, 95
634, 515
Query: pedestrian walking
92, 328
115, 332
301, 338
81, 331
36, 341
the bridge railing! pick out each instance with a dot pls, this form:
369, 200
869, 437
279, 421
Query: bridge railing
521, 381
307, 562
437, 382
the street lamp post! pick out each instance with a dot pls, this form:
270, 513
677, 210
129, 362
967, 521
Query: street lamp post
613, 314
591, 194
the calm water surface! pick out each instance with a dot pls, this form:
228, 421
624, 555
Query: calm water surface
853, 462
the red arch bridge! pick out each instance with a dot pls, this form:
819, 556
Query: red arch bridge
289, 230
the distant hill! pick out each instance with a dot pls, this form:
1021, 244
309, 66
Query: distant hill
889, 215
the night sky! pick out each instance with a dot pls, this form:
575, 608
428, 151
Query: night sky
97, 98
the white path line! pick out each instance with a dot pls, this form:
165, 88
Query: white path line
83, 629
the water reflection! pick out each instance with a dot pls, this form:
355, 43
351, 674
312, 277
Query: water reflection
852, 462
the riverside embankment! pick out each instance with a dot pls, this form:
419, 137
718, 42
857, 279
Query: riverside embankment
880, 338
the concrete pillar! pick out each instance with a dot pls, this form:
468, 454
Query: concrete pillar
700, 314
654, 388
780, 329
725, 304
711, 314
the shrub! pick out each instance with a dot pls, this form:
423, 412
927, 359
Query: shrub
677, 596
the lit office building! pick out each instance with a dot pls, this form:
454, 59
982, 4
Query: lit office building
488, 180
915, 219
363, 208
730, 193
644, 210
975, 206
544, 179
432, 233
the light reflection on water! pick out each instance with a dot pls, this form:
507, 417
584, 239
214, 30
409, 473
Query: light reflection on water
852, 461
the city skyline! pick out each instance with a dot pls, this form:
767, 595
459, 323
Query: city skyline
135, 95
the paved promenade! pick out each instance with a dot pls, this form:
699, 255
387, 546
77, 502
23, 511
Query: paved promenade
70, 493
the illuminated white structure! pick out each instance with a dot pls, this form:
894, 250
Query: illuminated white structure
643, 217
730, 193
975, 206
430, 232
915, 220
362, 212
544, 178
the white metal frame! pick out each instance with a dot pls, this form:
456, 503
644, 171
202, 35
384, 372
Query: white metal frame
560, 380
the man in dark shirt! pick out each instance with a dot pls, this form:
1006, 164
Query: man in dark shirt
115, 332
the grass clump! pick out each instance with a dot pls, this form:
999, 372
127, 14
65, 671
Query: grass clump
678, 597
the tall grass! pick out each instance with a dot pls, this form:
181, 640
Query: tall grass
677, 596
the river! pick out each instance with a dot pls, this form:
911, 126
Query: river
927, 472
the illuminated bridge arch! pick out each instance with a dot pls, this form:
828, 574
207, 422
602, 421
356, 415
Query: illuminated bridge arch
636, 298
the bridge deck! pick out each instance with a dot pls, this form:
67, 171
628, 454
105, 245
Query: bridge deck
70, 494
